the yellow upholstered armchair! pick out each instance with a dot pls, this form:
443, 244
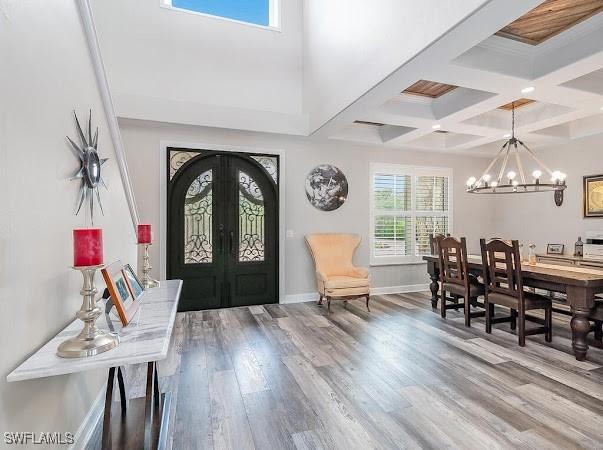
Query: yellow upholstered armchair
336, 276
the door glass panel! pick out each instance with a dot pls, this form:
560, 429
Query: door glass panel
251, 220
198, 220
270, 165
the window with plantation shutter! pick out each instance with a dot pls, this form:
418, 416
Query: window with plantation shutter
408, 205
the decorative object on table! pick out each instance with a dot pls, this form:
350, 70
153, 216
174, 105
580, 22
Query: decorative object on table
145, 239
125, 303
133, 282
555, 249
90, 167
579, 247
532, 254
87, 249
593, 196
326, 187
593, 247
507, 183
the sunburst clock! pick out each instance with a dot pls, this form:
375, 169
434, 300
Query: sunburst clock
90, 167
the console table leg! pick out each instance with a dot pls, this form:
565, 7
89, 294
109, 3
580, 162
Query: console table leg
148, 407
106, 438
580, 329
122, 391
433, 287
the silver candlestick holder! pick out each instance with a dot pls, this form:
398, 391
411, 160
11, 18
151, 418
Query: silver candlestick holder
147, 280
90, 341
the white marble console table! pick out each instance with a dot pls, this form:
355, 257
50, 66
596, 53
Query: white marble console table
145, 340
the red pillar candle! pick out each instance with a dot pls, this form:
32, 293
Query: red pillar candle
87, 247
144, 233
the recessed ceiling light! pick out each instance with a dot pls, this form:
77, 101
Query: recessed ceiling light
437, 126
527, 90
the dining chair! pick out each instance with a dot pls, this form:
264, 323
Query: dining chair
455, 279
501, 262
433, 242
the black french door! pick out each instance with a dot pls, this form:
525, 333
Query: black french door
223, 232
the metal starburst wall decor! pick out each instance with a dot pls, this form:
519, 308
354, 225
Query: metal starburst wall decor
90, 167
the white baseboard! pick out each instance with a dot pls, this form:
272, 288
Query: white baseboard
313, 296
400, 289
84, 432
300, 298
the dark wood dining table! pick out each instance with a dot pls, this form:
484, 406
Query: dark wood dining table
580, 287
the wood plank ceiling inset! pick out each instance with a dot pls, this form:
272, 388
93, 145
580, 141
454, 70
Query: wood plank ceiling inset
549, 19
430, 89
518, 104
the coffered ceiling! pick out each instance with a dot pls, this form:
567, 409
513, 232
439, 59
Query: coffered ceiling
552, 69
430, 89
549, 19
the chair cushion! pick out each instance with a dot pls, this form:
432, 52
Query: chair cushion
339, 282
475, 290
532, 300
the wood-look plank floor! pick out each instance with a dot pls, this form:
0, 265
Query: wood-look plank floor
293, 377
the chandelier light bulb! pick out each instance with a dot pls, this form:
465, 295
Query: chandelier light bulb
486, 178
511, 175
556, 175
562, 176
494, 184
537, 174
515, 182
471, 181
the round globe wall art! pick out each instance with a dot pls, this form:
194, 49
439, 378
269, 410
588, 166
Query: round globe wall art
326, 187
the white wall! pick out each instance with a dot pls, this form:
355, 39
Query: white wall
472, 214
46, 73
174, 66
535, 218
351, 45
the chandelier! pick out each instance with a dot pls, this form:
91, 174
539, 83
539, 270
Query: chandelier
507, 183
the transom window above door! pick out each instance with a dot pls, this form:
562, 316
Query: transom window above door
408, 205
255, 12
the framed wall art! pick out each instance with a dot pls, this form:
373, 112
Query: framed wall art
593, 196
326, 187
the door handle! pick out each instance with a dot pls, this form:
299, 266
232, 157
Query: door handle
221, 238
231, 241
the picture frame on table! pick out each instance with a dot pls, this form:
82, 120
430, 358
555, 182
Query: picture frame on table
555, 249
593, 196
116, 279
133, 282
